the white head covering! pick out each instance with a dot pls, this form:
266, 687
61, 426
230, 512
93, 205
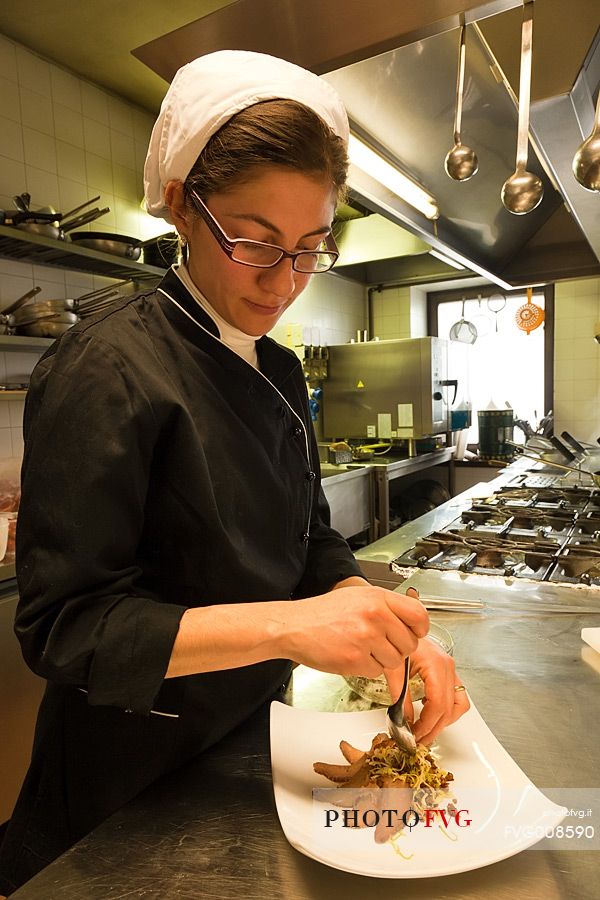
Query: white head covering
207, 92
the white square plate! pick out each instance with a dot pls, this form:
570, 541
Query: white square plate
592, 637
508, 813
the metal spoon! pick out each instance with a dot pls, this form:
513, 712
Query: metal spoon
461, 162
586, 162
523, 191
397, 725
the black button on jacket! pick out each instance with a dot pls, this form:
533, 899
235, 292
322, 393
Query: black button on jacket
158, 475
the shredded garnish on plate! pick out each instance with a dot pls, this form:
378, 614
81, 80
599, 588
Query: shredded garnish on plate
371, 777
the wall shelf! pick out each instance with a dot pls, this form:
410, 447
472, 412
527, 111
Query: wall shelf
26, 247
24, 343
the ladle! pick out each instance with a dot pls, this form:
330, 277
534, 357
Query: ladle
461, 162
523, 191
586, 162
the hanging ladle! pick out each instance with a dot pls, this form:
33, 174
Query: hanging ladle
523, 191
586, 162
461, 162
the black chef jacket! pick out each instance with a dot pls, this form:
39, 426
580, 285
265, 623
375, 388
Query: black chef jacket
161, 472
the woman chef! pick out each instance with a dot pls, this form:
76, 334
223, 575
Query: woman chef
174, 547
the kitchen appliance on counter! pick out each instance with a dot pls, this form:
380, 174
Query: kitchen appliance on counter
536, 527
387, 390
496, 428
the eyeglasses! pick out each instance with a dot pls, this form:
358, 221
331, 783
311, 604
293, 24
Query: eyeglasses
265, 256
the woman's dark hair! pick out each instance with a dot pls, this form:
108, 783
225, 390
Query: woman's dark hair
271, 133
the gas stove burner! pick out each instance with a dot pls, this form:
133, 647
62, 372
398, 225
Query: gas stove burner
580, 563
589, 523
507, 519
450, 550
541, 533
568, 495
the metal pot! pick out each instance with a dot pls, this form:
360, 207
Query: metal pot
47, 307
45, 329
45, 229
105, 242
30, 315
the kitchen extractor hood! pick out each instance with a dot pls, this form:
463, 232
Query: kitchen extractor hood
395, 69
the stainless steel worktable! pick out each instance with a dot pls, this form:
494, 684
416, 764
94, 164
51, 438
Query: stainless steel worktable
382, 470
387, 470
211, 829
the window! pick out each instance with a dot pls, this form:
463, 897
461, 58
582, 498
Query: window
504, 365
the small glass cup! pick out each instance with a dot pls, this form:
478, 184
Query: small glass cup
8, 522
375, 690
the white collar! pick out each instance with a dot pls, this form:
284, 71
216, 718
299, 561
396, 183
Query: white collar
242, 344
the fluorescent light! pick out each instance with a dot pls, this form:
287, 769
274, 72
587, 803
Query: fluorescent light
392, 178
445, 259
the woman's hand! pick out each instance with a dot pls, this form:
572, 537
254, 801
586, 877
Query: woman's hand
354, 630
443, 704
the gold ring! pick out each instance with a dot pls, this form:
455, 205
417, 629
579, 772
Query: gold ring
459, 687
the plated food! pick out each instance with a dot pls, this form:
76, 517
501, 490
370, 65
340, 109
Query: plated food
386, 783
501, 811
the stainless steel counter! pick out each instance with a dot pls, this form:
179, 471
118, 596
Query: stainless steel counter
383, 470
211, 829
513, 594
375, 559
351, 497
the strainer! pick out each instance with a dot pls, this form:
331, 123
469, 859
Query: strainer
463, 330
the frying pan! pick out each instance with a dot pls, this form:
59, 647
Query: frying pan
66, 318
65, 310
162, 251
45, 329
5, 314
56, 231
105, 242
123, 245
36, 312
21, 301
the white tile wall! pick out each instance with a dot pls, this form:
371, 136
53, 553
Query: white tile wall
330, 311
418, 312
65, 140
577, 359
391, 314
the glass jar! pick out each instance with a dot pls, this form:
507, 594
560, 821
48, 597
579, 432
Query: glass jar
375, 690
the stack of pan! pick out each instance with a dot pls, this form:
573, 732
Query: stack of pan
51, 318
47, 222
